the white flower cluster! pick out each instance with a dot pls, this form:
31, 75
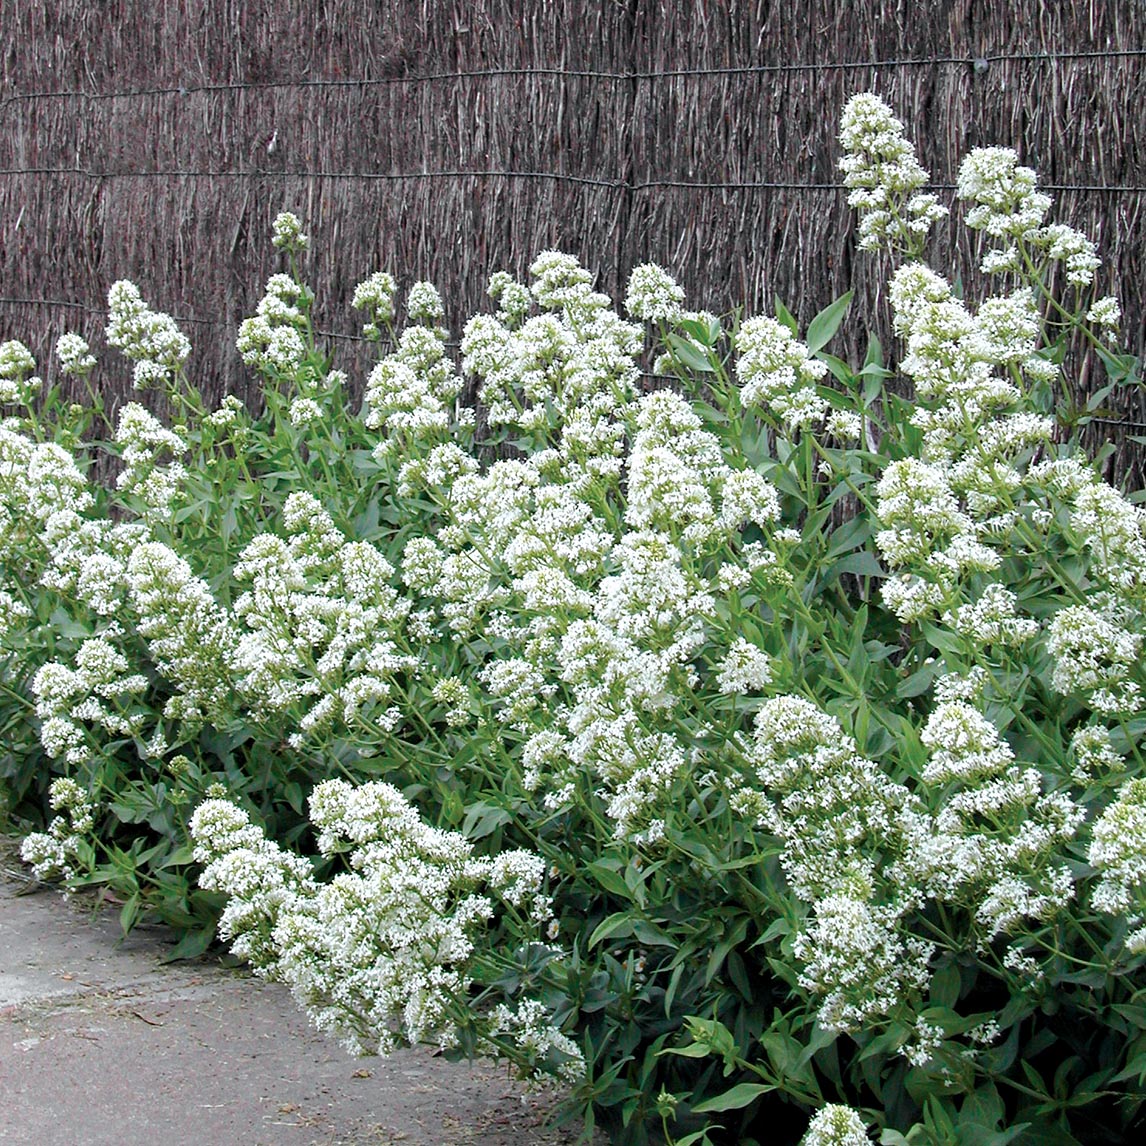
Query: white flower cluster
990, 844
74, 354
143, 440
883, 176
1094, 754
17, 386
532, 1029
319, 629
1118, 853
745, 668
838, 815
1111, 527
1095, 654
87, 558
148, 338
946, 511
992, 619
775, 371
424, 306
576, 361
286, 233
96, 693
273, 340
679, 482
37, 481
953, 357
375, 295
836, 1126
53, 854
12, 612
379, 955
653, 295
1009, 209
190, 636
411, 393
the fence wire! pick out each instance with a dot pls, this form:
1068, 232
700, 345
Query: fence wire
977, 63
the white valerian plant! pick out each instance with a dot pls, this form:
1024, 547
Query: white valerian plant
755, 711
381, 955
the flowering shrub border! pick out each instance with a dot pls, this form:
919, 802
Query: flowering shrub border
753, 748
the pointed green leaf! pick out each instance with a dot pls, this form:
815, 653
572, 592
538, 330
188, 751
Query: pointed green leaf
827, 322
741, 1095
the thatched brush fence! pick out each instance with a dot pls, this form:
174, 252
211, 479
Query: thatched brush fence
442, 140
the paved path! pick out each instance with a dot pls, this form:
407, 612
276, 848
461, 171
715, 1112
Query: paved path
102, 1045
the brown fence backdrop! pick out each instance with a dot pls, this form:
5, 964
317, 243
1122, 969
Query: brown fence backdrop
444, 139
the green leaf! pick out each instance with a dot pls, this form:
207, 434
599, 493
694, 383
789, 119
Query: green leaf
785, 317
919, 682
1121, 369
827, 322
741, 1095
945, 985
862, 564
619, 925
841, 371
483, 819
610, 879
851, 535
688, 354
191, 946
129, 913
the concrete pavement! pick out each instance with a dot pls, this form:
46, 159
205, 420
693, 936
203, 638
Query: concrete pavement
101, 1044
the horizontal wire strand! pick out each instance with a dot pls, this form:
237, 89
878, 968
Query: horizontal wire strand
504, 173
979, 62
